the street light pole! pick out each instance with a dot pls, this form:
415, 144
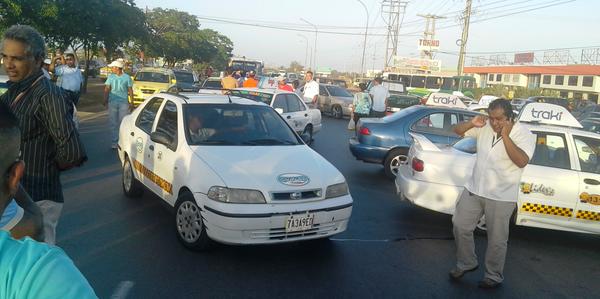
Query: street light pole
362, 62
305, 52
315, 49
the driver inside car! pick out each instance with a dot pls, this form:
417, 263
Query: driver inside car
199, 133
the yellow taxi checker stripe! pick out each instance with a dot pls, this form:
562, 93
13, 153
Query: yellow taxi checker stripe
162, 183
588, 215
545, 209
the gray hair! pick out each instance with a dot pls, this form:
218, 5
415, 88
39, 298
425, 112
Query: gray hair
35, 45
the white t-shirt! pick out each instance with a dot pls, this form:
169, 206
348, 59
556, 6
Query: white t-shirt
380, 94
69, 78
311, 89
495, 176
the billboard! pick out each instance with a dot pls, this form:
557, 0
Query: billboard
429, 44
432, 65
521, 58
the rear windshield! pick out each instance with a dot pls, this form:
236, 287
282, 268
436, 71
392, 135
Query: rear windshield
152, 77
337, 91
212, 84
254, 95
467, 145
400, 114
184, 77
236, 125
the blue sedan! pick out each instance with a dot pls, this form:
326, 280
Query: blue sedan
386, 140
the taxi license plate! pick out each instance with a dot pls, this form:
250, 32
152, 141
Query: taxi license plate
299, 223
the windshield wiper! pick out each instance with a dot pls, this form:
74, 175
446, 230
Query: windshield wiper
216, 141
269, 141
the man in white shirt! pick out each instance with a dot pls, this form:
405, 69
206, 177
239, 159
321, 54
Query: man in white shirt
380, 95
311, 89
69, 76
503, 149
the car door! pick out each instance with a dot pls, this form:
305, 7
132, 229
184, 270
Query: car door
141, 150
324, 102
165, 155
587, 215
437, 126
299, 114
549, 184
280, 101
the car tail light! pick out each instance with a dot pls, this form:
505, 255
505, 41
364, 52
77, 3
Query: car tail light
364, 131
418, 165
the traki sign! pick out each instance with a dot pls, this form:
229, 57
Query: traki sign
548, 114
445, 100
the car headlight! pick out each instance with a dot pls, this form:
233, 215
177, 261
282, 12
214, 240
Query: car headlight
230, 195
337, 190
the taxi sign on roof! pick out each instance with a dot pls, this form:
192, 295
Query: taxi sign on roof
445, 100
487, 99
548, 114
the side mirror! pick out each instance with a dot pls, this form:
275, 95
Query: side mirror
279, 110
161, 138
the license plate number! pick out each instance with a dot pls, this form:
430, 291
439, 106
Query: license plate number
299, 223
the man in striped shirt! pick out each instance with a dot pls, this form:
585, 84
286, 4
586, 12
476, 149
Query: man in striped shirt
49, 141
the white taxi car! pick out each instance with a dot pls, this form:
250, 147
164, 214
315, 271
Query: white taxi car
233, 169
559, 189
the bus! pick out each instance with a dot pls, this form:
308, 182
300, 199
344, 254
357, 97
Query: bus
424, 84
244, 64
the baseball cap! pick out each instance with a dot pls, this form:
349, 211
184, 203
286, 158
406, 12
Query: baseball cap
47, 61
116, 63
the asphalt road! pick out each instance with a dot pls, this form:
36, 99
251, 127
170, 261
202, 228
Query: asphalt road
128, 248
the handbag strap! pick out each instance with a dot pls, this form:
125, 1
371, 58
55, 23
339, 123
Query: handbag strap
24, 92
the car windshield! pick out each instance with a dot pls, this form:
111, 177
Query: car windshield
236, 125
212, 84
337, 91
254, 95
152, 77
184, 77
467, 145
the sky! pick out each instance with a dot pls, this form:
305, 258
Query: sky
563, 24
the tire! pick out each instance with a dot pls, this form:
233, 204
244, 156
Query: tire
189, 225
308, 131
131, 186
394, 159
336, 111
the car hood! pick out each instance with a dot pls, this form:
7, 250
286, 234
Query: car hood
258, 167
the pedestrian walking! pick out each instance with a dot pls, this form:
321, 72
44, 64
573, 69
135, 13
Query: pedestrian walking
311, 89
118, 96
361, 105
29, 269
380, 95
503, 150
49, 141
69, 76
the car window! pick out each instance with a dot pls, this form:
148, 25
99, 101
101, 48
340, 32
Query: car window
337, 91
587, 152
148, 115
167, 122
152, 77
280, 102
293, 103
467, 145
212, 84
467, 117
322, 91
436, 123
184, 77
551, 151
234, 124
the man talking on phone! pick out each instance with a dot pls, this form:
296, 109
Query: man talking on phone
503, 149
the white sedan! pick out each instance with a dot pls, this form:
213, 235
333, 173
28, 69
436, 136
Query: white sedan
559, 189
233, 169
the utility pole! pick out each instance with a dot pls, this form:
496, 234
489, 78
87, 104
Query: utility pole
394, 9
362, 62
305, 52
429, 33
463, 40
315, 49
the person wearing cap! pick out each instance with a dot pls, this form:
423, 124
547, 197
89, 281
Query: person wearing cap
118, 96
46, 68
283, 85
250, 81
69, 76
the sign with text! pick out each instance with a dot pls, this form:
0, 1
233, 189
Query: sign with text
445, 99
521, 58
429, 44
417, 64
548, 114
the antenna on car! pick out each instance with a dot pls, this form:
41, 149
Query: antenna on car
229, 97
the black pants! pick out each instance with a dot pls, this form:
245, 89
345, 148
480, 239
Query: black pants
377, 113
357, 116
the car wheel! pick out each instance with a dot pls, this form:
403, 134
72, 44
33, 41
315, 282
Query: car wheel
131, 186
393, 161
336, 111
189, 225
308, 135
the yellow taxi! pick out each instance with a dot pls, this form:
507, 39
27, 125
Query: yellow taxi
150, 80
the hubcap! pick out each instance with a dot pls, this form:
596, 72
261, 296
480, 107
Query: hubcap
189, 222
396, 162
337, 111
127, 176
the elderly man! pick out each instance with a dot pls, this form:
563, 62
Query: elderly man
118, 96
50, 142
503, 150
29, 269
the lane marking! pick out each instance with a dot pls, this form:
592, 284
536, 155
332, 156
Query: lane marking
122, 289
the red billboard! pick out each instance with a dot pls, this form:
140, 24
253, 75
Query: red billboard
521, 58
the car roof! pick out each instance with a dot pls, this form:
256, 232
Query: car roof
559, 129
265, 90
156, 70
197, 98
